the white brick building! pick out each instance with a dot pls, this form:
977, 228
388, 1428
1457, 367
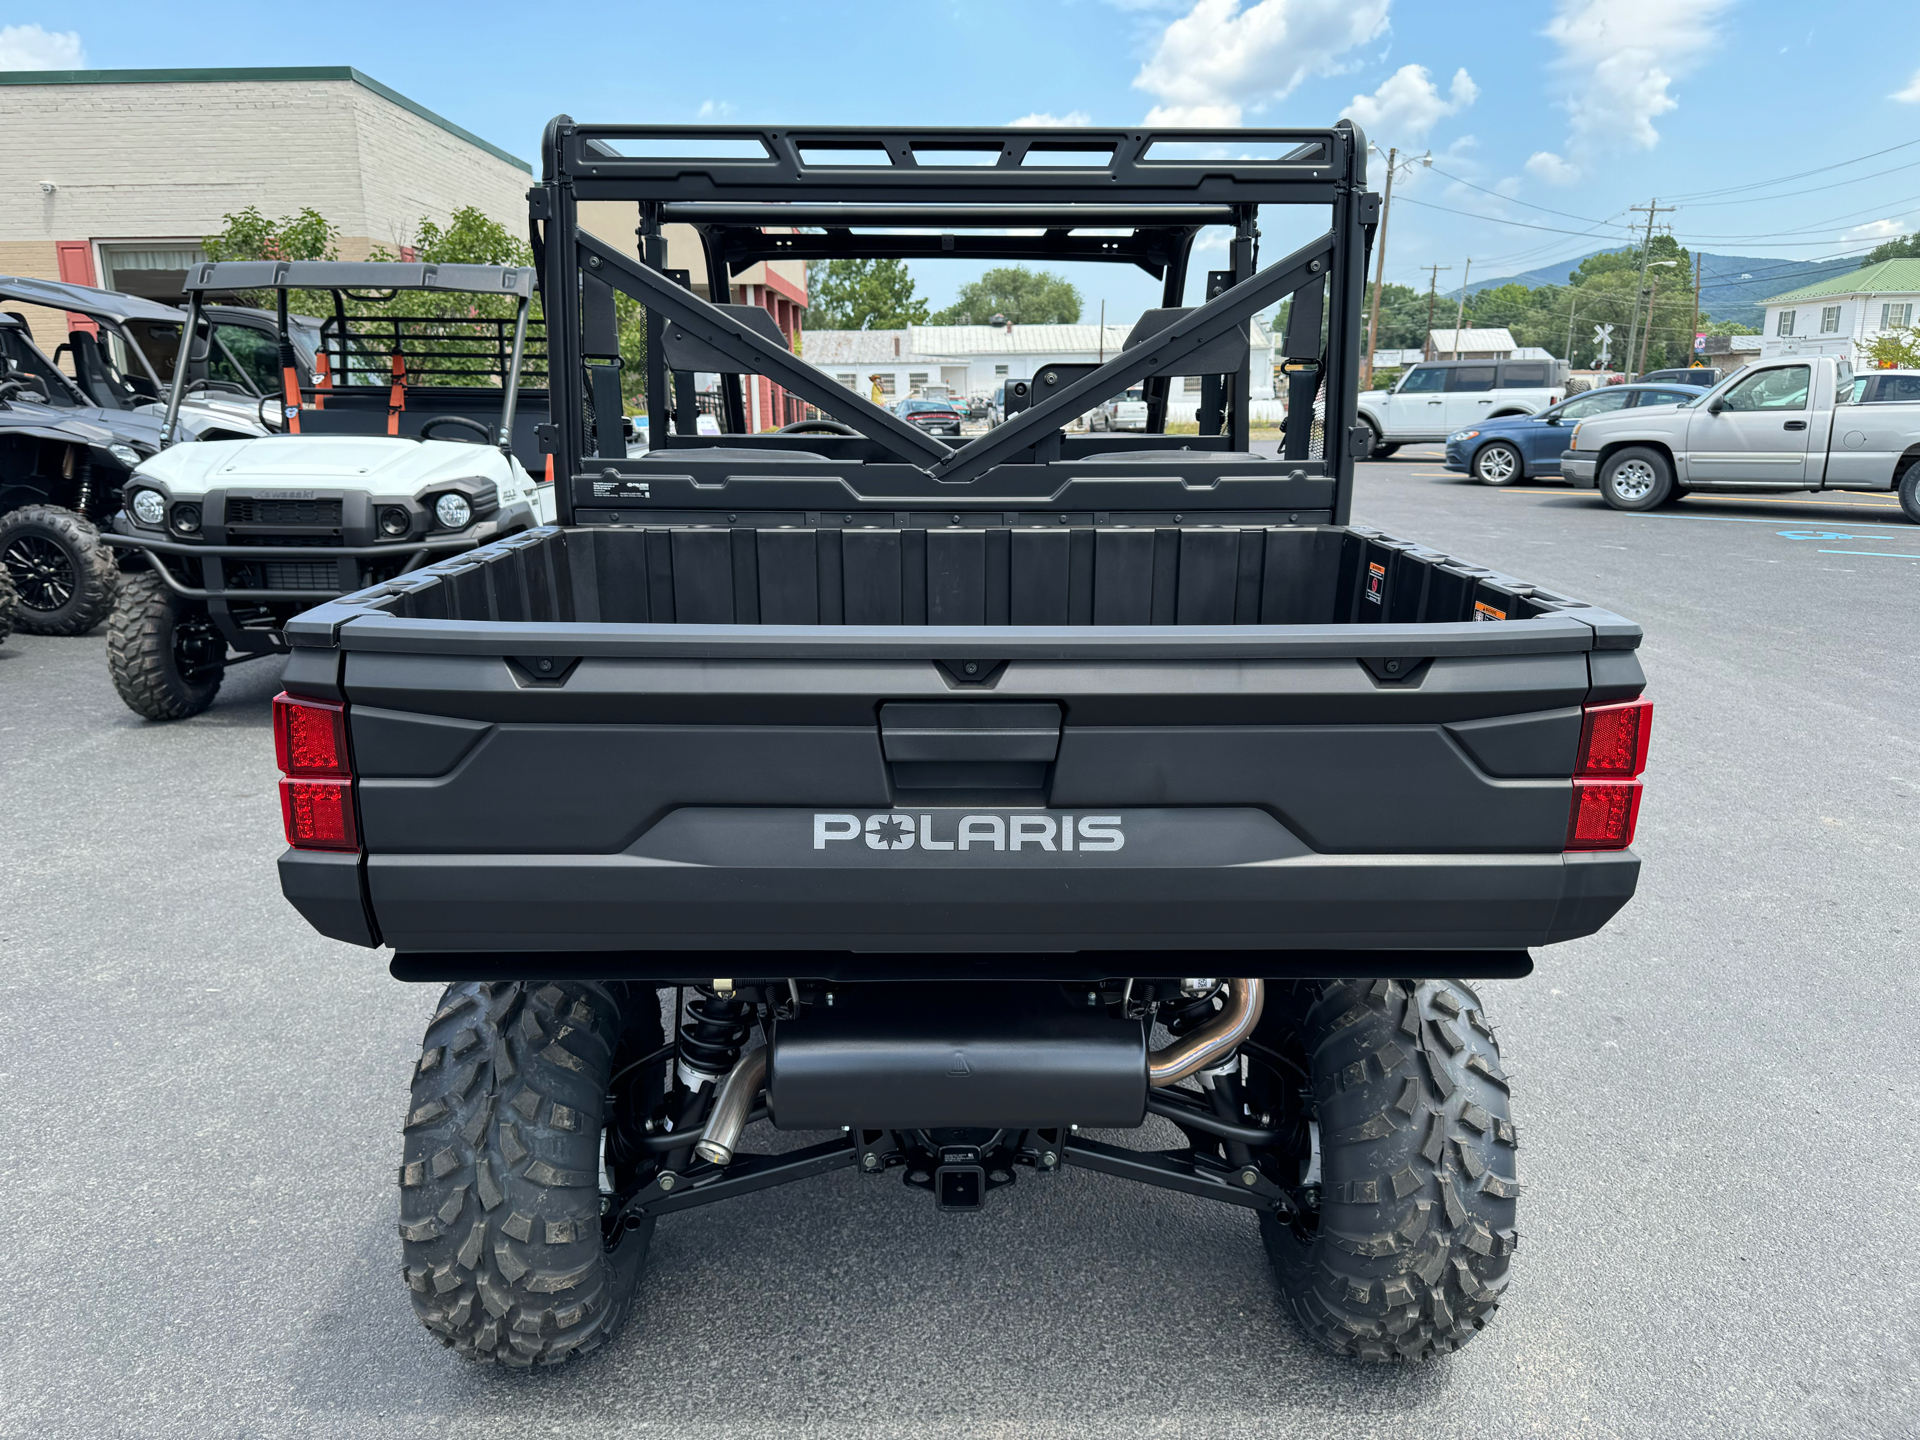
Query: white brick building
111, 177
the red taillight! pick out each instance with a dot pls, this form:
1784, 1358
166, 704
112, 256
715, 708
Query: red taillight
310, 736
1614, 740
1607, 797
1603, 814
317, 795
319, 814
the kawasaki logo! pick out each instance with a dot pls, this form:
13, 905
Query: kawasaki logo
1024, 830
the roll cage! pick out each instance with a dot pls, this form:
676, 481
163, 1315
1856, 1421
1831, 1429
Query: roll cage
365, 365
1116, 196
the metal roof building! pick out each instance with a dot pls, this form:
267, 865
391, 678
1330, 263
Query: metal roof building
1844, 313
1469, 345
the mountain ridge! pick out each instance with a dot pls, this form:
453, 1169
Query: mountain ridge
1732, 286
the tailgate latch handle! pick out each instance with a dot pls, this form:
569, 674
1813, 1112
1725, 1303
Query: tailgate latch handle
970, 731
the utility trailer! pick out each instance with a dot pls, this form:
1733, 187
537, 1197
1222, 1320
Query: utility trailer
960, 799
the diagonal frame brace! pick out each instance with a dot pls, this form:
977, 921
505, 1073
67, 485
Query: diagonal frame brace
756, 355
1192, 333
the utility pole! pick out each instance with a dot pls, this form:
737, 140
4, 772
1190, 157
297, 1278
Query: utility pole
1571, 298
1695, 329
1641, 276
1433, 274
1460, 312
1380, 267
1647, 334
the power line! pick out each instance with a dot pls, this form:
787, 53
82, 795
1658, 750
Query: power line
1496, 220
1811, 190
1883, 211
1798, 175
1516, 200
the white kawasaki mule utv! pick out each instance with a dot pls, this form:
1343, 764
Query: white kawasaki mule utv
412, 441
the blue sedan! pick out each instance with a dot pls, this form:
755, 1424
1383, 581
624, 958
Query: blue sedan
1527, 447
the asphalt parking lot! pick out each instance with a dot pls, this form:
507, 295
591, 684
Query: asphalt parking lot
1716, 1097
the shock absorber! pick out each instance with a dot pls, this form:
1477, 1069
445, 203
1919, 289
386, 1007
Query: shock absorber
711, 1037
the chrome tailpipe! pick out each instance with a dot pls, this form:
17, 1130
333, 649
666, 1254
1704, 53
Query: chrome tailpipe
734, 1104
1213, 1042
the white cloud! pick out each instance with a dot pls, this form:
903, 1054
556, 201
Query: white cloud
1042, 120
715, 110
28, 47
1223, 57
1546, 165
1618, 60
1876, 230
1407, 105
1912, 93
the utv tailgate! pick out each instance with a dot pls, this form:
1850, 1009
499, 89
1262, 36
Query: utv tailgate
559, 785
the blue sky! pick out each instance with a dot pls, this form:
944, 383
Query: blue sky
1557, 116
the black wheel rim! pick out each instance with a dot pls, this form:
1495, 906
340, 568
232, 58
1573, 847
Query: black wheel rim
198, 649
44, 574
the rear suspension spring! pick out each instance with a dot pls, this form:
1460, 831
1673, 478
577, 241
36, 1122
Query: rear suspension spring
712, 1035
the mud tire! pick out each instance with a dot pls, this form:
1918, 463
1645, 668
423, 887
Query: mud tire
9, 605
150, 652
502, 1244
1409, 1252
56, 556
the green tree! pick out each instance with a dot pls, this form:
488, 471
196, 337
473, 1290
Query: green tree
1016, 294
249, 235
1902, 247
862, 295
1898, 347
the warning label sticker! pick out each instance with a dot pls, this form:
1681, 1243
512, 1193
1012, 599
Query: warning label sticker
1376, 581
1484, 611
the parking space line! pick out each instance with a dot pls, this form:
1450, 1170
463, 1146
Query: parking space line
1744, 499
1727, 519
1891, 554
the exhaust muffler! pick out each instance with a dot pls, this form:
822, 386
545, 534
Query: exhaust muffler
922, 1055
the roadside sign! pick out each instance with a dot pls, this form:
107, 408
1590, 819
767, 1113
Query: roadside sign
1603, 336
1700, 341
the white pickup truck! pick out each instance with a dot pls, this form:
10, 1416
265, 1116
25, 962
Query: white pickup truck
1438, 397
1801, 423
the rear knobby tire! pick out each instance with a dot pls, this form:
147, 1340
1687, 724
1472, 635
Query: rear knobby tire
64, 578
500, 1214
165, 654
8, 605
1904, 490
1408, 1252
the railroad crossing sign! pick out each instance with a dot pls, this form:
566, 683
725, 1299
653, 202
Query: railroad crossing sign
1603, 337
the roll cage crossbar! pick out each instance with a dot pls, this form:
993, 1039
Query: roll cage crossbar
1135, 197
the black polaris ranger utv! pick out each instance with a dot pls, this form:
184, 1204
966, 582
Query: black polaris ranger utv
962, 799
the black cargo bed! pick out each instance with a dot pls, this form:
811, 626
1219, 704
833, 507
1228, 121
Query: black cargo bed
976, 573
